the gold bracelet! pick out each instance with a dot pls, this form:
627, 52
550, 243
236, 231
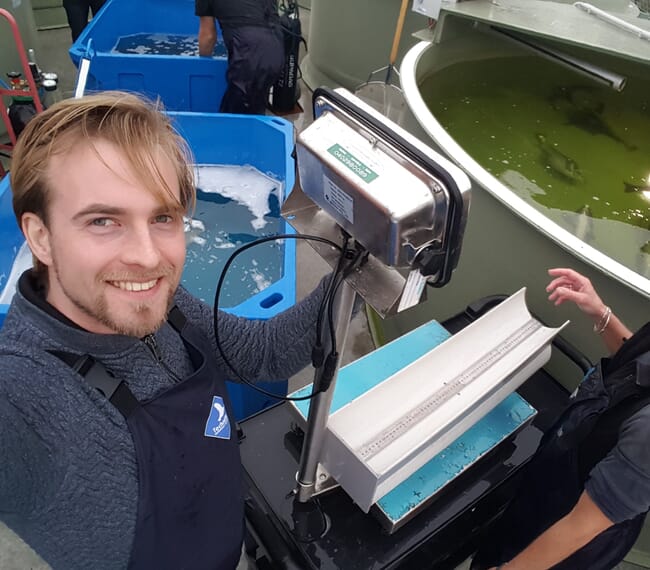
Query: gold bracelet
599, 328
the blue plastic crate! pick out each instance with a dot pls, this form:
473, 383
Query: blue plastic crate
266, 143
11, 238
183, 82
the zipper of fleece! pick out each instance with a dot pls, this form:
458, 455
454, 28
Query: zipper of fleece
152, 344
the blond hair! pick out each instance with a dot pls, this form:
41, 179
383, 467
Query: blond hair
134, 125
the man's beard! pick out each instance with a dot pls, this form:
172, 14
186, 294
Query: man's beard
98, 308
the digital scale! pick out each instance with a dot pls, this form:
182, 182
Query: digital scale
410, 452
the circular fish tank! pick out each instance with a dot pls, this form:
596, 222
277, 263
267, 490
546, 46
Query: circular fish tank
560, 168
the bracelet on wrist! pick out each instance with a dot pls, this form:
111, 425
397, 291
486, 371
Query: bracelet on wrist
603, 323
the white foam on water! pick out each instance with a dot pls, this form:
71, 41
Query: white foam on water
21, 264
157, 44
261, 281
158, 37
243, 184
220, 243
193, 230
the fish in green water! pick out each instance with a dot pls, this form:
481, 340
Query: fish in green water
630, 188
577, 97
584, 111
557, 162
594, 124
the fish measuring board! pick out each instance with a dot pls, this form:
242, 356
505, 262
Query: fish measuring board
487, 341
447, 392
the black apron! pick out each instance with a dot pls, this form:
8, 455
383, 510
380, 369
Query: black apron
190, 502
554, 480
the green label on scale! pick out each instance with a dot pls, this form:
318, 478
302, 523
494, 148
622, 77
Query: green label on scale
354, 164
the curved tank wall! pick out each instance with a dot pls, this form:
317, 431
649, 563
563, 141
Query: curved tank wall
508, 243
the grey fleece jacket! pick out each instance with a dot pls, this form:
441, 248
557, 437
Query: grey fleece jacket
68, 476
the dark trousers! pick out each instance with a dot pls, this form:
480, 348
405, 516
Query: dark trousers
77, 13
255, 60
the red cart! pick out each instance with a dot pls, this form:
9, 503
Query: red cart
16, 89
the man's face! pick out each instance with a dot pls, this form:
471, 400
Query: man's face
114, 251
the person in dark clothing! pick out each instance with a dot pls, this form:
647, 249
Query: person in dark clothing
253, 38
118, 443
584, 496
77, 13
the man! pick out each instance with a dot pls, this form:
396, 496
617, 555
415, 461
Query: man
253, 38
142, 471
77, 13
585, 495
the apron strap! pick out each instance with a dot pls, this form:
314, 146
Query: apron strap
96, 374
604, 435
176, 319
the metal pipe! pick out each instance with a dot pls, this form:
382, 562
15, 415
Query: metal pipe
609, 78
319, 407
83, 77
611, 19
84, 68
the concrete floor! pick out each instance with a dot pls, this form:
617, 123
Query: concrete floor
52, 56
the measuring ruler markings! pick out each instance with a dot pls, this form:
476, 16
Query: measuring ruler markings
438, 398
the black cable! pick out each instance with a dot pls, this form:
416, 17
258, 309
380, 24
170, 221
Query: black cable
331, 360
317, 352
288, 10
217, 294
360, 256
309, 87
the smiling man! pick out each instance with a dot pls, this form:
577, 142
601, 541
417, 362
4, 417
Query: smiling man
115, 254
115, 426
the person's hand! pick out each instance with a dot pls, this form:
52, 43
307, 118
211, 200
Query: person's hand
569, 285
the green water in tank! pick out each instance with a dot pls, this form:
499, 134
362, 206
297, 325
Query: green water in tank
576, 150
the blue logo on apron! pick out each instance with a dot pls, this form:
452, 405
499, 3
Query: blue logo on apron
218, 424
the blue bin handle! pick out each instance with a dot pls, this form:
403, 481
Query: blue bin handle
90, 52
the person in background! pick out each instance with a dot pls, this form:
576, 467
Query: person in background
118, 445
585, 494
77, 12
253, 37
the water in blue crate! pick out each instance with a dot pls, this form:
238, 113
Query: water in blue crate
163, 44
235, 205
8, 281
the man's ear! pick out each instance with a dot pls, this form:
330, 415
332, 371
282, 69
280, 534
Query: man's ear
37, 236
